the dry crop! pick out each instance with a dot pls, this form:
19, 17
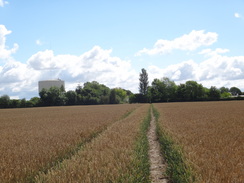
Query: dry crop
108, 158
34, 139
212, 137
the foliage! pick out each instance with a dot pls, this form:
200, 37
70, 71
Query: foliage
157, 91
143, 85
165, 90
235, 91
53, 97
112, 97
194, 91
214, 93
225, 95
4, 101
93, 93
71, 97
224, 90
121, 94
34, 102
162, 90
138, 98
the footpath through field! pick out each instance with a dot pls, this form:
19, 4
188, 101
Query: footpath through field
110, 157
157, 162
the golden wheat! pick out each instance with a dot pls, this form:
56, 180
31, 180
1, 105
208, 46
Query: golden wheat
106, 159
212, 137
32, 139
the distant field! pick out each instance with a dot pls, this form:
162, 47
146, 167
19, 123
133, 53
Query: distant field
106, 143
34, 139
212, 136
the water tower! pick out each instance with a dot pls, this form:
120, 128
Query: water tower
47, 84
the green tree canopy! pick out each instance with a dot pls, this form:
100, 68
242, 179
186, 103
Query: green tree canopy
93, 93
53, 96
193, 91
214, 93
4, 101
157, 91
71, 97
235, 91
224, 90
162, 90
143, 85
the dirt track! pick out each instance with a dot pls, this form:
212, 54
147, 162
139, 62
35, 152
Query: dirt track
157, 162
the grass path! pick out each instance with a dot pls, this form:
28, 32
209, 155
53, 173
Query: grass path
157, 162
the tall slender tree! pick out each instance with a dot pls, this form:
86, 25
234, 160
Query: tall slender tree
143, 85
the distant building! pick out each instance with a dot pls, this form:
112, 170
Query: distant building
47, 84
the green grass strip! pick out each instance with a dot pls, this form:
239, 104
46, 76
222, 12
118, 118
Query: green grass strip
177, 170
127, 114
140, 166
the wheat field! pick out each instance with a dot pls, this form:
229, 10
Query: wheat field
108, 158
98, 143
211, 135
35, 139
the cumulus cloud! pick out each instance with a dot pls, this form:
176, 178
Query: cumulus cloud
211, 53
97, 64
5, 53
17, 78
187, 42
20, 79
217, 70
183, 71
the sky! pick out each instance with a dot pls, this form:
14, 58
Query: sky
110, 42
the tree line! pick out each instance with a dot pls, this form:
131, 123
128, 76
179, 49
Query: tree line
165, 90
92, 93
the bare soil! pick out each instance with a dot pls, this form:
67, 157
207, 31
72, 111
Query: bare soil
157, 162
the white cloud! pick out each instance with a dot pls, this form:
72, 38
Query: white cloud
217, 70
17, 79
237, 15
97, 64
42, 60
2, 3
210, 53
186, 70
5, 53
190, 42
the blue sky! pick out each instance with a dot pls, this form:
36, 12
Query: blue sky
110, 41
